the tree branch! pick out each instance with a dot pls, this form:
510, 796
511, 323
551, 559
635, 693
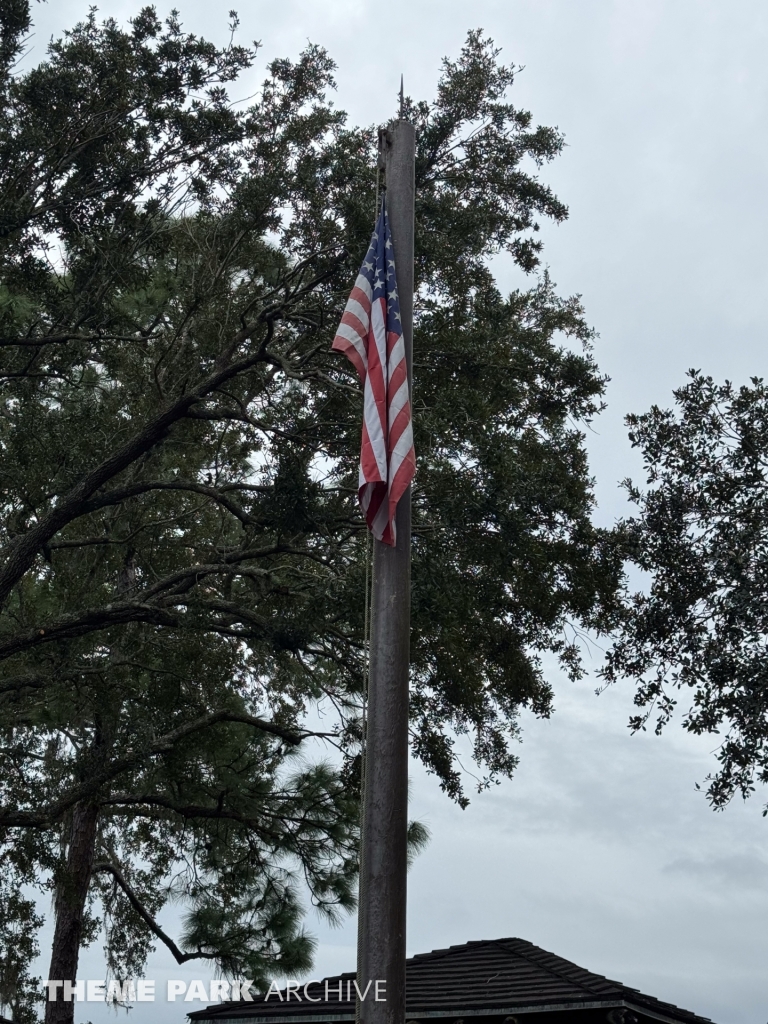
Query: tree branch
21, 552
134, 490
140, 608
102, 867
88, 790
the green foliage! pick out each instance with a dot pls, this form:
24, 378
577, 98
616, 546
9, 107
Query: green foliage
182, 558
701, 535
506, 559
19, 922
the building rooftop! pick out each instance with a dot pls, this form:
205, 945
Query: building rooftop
492, 979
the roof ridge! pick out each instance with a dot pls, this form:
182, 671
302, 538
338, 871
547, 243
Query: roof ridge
437, 954
553, 970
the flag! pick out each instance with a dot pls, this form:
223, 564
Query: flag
371, 336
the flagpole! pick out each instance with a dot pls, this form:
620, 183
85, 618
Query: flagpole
383, 854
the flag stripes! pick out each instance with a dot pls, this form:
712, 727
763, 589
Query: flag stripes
370, 335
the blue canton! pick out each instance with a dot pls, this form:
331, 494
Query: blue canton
379, 270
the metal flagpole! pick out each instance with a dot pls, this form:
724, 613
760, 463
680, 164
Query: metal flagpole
381, 915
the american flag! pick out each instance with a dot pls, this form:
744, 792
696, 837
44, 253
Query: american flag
371, 336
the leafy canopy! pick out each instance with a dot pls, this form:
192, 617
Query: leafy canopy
182, 560
701, 535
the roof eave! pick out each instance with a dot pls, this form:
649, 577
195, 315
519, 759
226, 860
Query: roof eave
509, 1011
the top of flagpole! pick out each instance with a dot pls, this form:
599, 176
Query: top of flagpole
402, 98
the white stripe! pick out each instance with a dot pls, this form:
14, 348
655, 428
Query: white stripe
364, 285
371, 412
379, 328
358, 309
397, 401
375, 429
351, 335
398, 457
399, 452
397, 355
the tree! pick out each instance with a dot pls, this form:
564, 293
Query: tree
701, 535
182, 560
19, 922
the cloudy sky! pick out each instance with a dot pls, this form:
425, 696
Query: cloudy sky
601, 849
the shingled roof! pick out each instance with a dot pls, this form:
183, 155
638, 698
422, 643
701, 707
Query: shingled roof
492, 979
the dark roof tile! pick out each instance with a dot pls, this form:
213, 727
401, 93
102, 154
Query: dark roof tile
507, 974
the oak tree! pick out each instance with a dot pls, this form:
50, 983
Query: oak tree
697, 633
182, 560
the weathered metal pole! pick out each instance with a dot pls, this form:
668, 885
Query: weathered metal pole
381, 917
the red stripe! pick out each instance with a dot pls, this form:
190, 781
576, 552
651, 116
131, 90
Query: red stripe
383, 383
392, 339
402, 479
378, 495
376, 374
402, 420
353, 320
359, 295
368, 461
398, 375
349, 350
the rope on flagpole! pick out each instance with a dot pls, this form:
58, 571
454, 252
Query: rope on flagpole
366, 663
366, 626
366, 655
366, 668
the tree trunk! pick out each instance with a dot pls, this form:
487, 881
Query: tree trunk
71, 893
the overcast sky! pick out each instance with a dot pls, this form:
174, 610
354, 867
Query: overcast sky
600, 850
